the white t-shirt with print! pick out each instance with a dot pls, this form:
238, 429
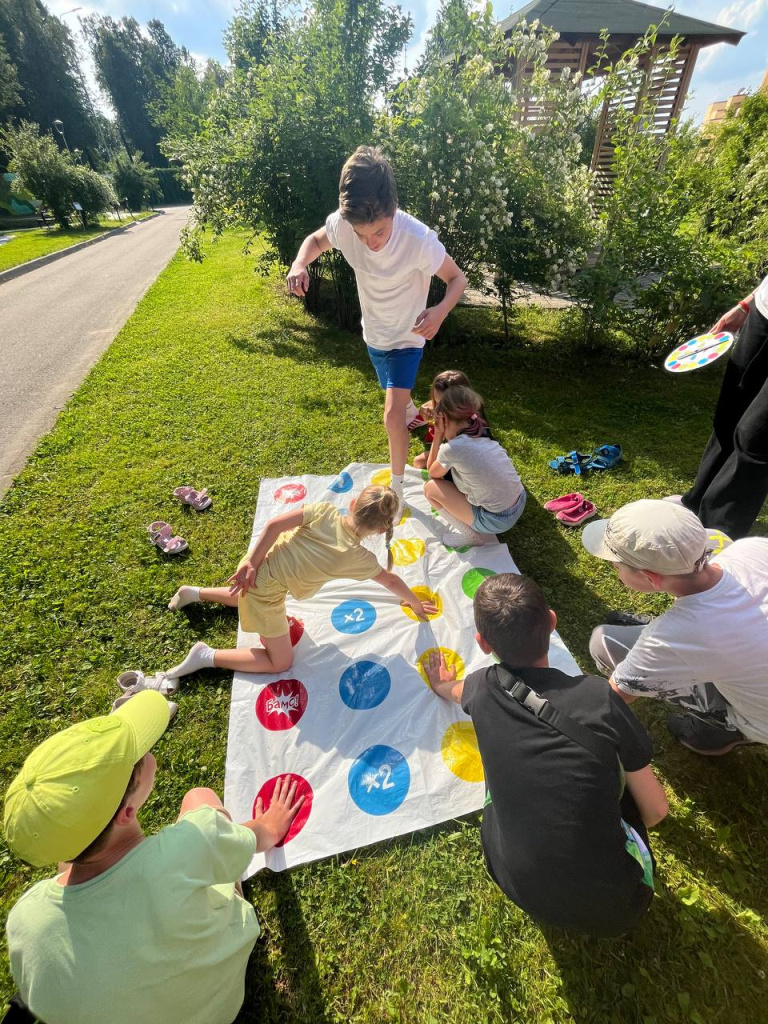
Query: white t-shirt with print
482, 471
719, 636
761, 298
392, 283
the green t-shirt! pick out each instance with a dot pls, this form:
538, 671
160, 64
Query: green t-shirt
160, 938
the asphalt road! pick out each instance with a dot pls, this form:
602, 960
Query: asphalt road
57, 320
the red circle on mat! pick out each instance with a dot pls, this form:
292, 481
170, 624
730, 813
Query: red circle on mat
280, 705
290, 492
303, 788
296, 629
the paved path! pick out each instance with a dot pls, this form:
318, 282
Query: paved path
57, 320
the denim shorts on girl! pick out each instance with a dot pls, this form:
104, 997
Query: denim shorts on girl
397, 367
484, 521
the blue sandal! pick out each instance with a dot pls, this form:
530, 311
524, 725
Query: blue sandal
574, 462
605, 457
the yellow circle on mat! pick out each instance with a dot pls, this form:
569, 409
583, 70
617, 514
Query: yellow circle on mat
424, 594
406, 552
459, 749
382, 478
452, 659
406, 515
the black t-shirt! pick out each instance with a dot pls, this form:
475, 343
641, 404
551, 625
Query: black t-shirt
552, 831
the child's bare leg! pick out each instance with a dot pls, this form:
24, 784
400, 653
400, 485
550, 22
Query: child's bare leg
420, 462
218, 595
191, 595
395, 404
277, 656
442, 494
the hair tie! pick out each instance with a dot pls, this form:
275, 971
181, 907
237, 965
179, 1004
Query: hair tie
473, 417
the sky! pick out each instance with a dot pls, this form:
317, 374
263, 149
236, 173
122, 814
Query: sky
720, 72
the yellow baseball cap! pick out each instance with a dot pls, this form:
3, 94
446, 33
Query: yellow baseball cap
70, 786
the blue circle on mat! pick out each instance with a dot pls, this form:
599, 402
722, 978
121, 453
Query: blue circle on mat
353, 616
342, 483
364, 685
379, 780
702, 361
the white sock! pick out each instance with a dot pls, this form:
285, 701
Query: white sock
200, 656
183, 597
411, 412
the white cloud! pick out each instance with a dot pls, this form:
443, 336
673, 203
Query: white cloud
742, 14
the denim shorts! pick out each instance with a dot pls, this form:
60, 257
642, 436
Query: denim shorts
497, 522
397, 367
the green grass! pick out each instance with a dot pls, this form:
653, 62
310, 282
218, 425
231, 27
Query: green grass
31, 245
218, 380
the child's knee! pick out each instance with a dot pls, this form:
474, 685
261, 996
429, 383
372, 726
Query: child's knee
282, 662
430, 489
420, 462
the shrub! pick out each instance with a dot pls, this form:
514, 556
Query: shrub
172, 189
134, 180
92, 191
41, 168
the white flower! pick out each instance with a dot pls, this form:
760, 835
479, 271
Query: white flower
489, 127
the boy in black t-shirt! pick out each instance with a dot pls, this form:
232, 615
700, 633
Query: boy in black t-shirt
564, 828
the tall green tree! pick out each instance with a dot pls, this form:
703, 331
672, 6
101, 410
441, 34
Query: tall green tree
49, 85
184, 101
134, 70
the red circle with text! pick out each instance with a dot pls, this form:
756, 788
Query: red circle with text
280, 705
290, 492
303, 788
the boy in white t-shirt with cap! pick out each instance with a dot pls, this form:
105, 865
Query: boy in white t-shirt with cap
394, 257
133, 928
709, 652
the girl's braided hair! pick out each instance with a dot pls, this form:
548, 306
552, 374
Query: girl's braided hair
376, 508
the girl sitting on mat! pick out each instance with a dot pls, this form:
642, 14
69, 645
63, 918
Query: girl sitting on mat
484, 496
444, 380
296, 554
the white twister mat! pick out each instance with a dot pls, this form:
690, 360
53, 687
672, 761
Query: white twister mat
375, 751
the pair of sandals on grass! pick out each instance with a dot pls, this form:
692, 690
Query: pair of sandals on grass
161, 533
574, 509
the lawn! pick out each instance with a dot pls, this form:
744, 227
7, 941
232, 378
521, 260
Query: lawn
218, 379
37, 242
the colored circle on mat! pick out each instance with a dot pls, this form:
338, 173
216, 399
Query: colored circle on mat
718, 541
452, 659
295, 629
460, 752
406, 515
379, 780
406, 552
472, 579
382, 478
289, 493
280, 705
353, 616
303, 788
342, 483
425, 474
424, 594
364, 685
459, 551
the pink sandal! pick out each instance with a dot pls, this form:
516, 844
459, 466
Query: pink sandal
564, 502
198, 500
161, 535
577, 514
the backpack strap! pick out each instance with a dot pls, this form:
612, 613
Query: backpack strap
540, 707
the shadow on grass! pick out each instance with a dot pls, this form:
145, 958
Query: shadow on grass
292, 993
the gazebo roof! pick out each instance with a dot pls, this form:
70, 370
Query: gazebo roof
578, 19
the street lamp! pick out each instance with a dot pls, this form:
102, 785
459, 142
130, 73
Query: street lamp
59, 126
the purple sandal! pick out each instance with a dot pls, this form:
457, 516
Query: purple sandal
161, 535
198, 500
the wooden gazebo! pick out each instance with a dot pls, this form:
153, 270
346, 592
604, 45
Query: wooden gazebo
580, 22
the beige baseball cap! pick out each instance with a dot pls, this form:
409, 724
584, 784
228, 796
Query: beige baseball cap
658, 536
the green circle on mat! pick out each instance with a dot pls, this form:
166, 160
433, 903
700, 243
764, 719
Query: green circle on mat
425, 474
472, 580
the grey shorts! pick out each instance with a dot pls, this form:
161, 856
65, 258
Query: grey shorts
497, 522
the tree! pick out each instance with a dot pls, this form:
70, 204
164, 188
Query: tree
134, 71
10, 94
52, 176
184, 100
41, 49
134, 180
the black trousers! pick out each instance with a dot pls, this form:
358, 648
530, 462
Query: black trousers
732, 481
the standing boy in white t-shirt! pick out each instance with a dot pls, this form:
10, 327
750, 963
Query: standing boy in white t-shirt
394, 257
